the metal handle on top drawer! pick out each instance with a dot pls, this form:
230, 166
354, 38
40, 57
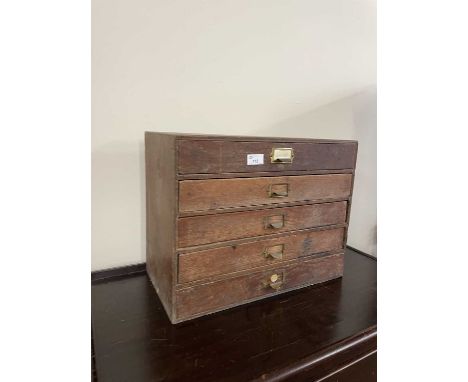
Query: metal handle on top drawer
282, 155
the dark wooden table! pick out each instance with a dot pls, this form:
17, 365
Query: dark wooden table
325, 332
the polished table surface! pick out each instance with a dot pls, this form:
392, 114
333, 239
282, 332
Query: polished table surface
307, 334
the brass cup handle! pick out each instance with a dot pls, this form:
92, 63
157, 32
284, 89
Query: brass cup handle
276, 225
275, 194
279, 190
276, 255
275, 222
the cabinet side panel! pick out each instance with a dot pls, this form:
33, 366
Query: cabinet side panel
350, 200
160, 214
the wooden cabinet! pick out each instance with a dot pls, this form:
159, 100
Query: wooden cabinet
235, 219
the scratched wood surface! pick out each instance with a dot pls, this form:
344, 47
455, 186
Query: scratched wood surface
199, 195
217, 228
303, 335
250, 138
161, 214
232, 258
196, 300
206, 156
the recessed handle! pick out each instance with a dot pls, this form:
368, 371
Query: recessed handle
282, 155
275, 194
274, 222
275, 252
279, 190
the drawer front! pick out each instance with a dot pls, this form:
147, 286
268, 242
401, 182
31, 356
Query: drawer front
207, 157
213, 262
217, 295
201, 195
197, 230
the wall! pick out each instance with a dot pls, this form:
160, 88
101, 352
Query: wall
270, 67
353, 117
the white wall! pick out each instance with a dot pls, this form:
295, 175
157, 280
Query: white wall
353, 117
264, 67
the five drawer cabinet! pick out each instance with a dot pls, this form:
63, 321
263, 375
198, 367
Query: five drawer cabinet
230, 220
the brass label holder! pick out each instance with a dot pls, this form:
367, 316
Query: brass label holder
282, 155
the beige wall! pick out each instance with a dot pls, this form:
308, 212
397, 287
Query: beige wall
353, 117
268, 67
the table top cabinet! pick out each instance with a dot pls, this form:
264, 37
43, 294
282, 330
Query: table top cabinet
232, 219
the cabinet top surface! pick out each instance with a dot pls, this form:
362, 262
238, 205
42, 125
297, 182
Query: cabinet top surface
134, 340
244, 138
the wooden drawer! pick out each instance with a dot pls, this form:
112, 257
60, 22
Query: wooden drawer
212, 156
218, 261
200, 195
221, 294
207, 229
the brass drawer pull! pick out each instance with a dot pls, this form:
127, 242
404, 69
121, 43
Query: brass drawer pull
275, 252
280, 190
282, 155
275, 281
278, 194
274, 222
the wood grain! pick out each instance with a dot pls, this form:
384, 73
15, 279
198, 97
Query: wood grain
362, 370
212, 296
161, 214
207, 156
202, 264
199, 195
199, 156
198, 230
250, 138
256, 174
310, 332
208, 213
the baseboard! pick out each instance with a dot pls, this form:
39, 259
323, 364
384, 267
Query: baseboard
118, 272
361, 252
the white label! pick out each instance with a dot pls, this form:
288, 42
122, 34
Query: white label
254, 159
